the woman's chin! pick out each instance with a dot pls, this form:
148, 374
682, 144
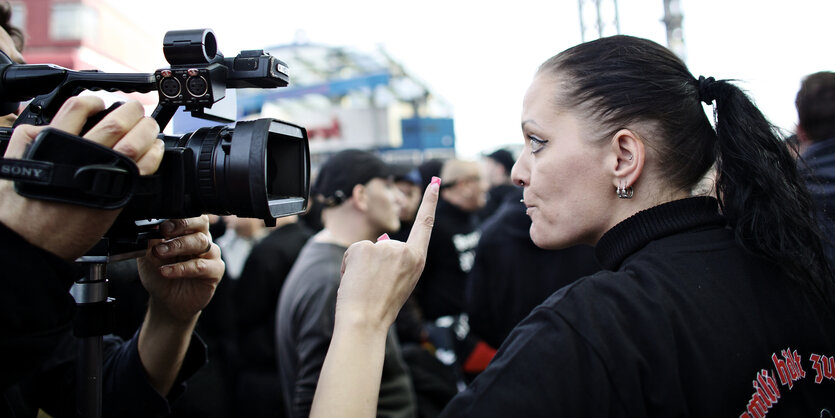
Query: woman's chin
540, 240
550, 241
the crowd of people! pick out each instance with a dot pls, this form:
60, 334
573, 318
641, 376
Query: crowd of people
635, 259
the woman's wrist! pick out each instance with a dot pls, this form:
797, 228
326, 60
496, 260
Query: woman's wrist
360, 323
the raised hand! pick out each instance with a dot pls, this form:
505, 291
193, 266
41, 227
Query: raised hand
377, 278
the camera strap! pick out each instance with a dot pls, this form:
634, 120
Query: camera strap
62, 167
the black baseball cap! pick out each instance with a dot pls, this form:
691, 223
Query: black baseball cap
344, 170
503, 157
407, 173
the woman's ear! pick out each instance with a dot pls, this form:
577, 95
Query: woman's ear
630, 156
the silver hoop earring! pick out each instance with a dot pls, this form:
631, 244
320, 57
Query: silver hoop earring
625, 193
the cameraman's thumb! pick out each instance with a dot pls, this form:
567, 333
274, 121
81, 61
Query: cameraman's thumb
22, 136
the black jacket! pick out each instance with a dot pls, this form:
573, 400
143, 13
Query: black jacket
449, 259
40, 355
36, 308
256, 295
511, 275
817, 168
684, 323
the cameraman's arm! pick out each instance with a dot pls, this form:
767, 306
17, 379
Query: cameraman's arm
180, 273
69, 231
38, 239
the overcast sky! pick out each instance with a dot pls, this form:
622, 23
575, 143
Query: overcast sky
480, 55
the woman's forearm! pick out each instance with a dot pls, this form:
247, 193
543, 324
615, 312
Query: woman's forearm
349, 383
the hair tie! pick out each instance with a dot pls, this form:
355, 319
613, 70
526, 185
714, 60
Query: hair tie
707, 89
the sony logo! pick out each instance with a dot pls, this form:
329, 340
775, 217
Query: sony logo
18, 171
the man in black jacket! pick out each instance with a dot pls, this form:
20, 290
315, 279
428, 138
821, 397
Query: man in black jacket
40, 240
440, 291
816, 133
255, 299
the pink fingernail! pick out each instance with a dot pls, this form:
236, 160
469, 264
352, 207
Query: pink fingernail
436, 180
383, 237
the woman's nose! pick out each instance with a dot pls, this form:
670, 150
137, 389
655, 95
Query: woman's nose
520, 174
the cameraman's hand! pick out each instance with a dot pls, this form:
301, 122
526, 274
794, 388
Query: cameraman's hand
69, 231
181, 271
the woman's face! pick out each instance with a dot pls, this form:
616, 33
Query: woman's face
564, 173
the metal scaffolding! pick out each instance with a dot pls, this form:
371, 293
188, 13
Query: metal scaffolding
672, 21
598, 18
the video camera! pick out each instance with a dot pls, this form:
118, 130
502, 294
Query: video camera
256, 169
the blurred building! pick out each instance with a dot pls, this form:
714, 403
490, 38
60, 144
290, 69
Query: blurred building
86, 35
351, 99
344, 97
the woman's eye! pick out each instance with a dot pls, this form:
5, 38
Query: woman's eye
536, 144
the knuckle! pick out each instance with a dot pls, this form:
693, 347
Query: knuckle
180, 224
176, 244
113, 127
83, 103
429, 221
204, 241
361, 245
148, 166
133, 106
129, 150
149, 124
201, 266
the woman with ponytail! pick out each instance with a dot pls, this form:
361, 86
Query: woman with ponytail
707, 307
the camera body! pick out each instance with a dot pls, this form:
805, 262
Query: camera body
256, 169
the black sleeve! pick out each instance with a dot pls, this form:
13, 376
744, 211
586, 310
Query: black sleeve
256, 299
544, 369
478, 301
126, 391
36, 308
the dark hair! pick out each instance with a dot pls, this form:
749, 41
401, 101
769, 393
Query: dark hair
633, 83
816, 105
6, 22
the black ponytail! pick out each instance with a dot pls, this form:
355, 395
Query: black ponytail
628, 82
761, 193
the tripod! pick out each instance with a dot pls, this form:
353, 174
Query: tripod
94, 316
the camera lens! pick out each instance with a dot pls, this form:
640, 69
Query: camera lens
258, 169
264, 169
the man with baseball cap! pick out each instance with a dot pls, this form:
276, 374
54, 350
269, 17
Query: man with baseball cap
360, 202
497, 166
